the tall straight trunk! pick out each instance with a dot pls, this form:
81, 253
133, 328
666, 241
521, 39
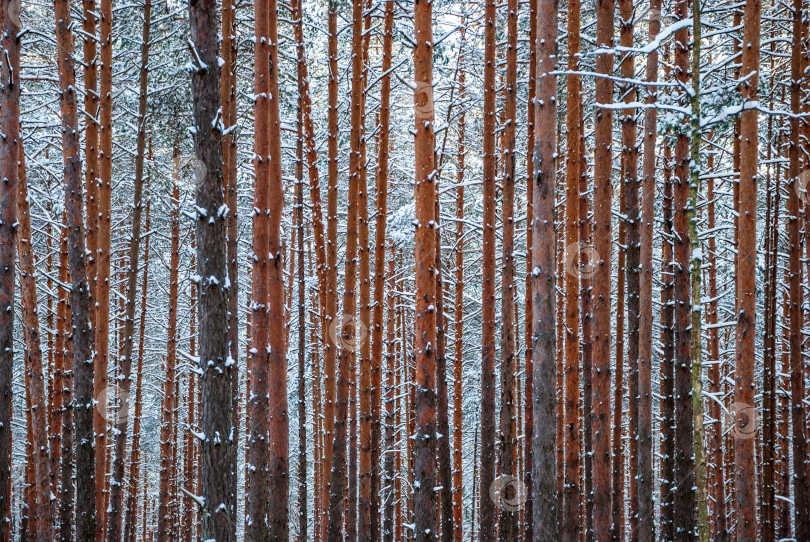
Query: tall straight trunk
528, 422
391, 392
487, 461
643, 428
227, 89
135, 472
544, 484
40, 527
9, 152
103, 225
343, 330
302, 308
381, 175
571, 526
66, 486
425, 240
165, 525
715, 441
630, 196
683, 483
617, 443
508, 528
801, 486
218, 420
602, 197
330, 347
267, 501
125, 364
745, 273
667, 384
82, 336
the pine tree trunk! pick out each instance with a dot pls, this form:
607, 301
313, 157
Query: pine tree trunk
507, 529
544, 483
643, 427
121, 421
9, 152
391, 391
65, 384
487, 449
801, 487
602, 197
39, 526
135, 472
744, 395
82, 336
344, 330
268, 485
165, 525
218, 420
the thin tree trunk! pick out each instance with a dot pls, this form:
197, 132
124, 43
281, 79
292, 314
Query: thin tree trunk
165, 525
40, 527
801, 489
82, 336
643, 428
268, 487
425, 322
544, 484
130, 527
302, 343
458, 315
487, 460
744, 391
343, 331
508, 442
571, 526
391, 392
116, 508
66, 379
9, 152
630, 196
602, 197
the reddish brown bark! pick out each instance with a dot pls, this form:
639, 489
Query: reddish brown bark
571, 525
801, 489
9, 152
135, 472
487, 460
345, 329
425, 340
164, 526
82, 336
269, 378
643, 427
391, 389
507, 529
39, 520
544, 483
458, 314
602, 197
65, 383
744, 394
121, 421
